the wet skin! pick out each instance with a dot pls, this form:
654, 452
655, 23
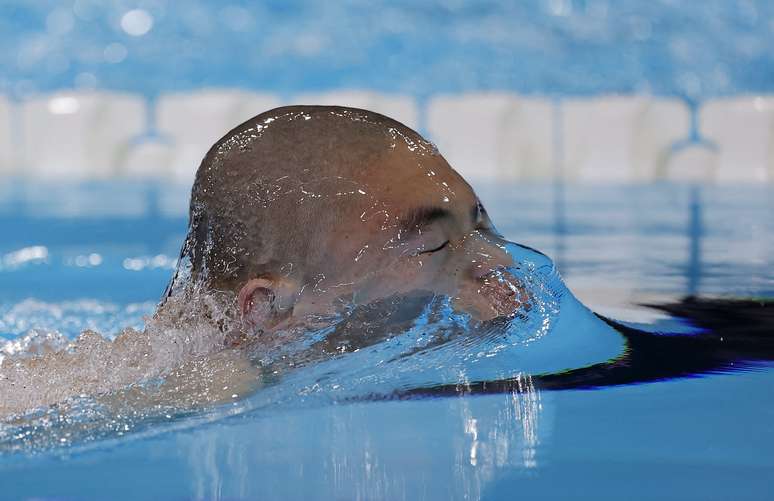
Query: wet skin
303, 209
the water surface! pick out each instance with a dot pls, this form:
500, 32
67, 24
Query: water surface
98, 257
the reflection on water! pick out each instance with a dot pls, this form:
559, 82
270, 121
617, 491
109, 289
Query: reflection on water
507, 440
371, 451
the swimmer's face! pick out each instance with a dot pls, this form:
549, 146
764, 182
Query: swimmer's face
407, 223
304, 210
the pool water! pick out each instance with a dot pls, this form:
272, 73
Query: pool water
98, 256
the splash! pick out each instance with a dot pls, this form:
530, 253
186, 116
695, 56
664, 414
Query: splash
58, 392
43, 368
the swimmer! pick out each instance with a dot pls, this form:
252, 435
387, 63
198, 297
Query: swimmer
307, 213
297, 215
304, 210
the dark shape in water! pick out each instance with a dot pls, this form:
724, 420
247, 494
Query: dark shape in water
736, 335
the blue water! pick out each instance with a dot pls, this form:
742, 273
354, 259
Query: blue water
99, 256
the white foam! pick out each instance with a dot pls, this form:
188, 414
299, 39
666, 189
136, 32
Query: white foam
493, 136
35, 343
79, 134
41, 369
71, 317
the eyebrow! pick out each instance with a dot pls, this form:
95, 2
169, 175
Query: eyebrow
422, 216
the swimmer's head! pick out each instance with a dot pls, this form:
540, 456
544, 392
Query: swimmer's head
305, 208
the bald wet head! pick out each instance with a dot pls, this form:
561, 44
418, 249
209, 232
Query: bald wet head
329, 200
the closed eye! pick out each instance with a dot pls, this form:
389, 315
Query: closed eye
430, 251
480, 218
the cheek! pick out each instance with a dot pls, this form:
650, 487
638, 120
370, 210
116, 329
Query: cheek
401, 277
405, 275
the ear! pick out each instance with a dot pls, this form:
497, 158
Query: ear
264, 301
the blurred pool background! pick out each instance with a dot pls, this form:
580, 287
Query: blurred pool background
631, 141
577, 90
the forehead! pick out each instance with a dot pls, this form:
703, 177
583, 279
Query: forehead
403, 180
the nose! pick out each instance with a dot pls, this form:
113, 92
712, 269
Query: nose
484, 289
485, 252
